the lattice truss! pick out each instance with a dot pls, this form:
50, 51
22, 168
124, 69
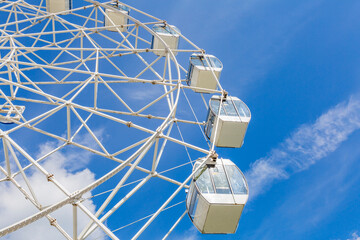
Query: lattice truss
66, 80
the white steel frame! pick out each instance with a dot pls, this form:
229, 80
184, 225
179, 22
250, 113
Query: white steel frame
21, 58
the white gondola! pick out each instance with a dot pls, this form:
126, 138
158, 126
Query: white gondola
9, 114
233, 121
216, 197
118, 17
201, 72
169, 34
54, 6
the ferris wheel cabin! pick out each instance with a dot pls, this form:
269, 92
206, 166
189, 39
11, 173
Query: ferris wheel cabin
234, 118
9, 114
54, 6
169, 34
204, 72
116, 17
217, 196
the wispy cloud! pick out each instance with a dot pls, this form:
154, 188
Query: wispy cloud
354, 236
69, 169
190, 234
306, 145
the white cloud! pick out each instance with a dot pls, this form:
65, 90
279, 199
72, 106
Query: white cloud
308, 144
354, 236
68, 169
191, 234
72, 158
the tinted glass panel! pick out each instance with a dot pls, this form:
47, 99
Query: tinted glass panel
195, 60
215, 62
203, 181
164, 29
210, 123
201, 61
220, 179
190, 193
193, 204
229, 108
120, 7
242, 108
237, 180
214, 105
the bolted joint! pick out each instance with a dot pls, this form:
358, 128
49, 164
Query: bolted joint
53, 222
225, 94
129, 124
75, 197
49, 177
214, 155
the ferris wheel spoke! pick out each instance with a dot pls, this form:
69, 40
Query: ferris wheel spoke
159, 154
90, 228
115, 94
66, 201
87, 18
121, 44
121, 182
41, 158
52, 220
149, 66
21, 170
36, 9
113, 64
145, 226
23, 13
175, 224
100, 224
166, 94
65, 49
38, 38
42, 69
32, 83
89, 130
70, 69
7, 160
12, 3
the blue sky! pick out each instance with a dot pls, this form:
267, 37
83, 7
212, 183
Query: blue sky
295, 64
291, 62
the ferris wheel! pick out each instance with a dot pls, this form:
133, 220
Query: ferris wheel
109, 118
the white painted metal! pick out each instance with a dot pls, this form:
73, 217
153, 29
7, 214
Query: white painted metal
116, 15
232, 126
55, 63
170, 36
204, 72
54, 6
217, 197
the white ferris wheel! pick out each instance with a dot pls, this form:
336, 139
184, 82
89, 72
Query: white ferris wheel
111, 117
